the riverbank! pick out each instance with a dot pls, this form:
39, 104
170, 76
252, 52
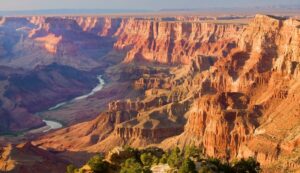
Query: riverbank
94, 90
53, 124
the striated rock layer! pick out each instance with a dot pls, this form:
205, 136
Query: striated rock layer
175, 42
73, 40
263, 73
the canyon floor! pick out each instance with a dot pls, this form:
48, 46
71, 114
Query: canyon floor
227, 84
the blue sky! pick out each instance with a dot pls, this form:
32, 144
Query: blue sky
136, 4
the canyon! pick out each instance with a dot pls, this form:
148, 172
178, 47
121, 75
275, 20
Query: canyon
231, 88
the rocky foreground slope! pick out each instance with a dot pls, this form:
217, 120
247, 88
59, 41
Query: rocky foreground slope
26, 158
234, 90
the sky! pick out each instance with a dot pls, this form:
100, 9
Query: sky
137, 4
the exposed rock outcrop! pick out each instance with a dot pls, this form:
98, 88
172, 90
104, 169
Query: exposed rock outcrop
263, 68
175, 42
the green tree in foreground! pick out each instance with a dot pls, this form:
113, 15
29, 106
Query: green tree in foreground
163, 159
175, 158
249, 165
71, 169
188, 166
120, 157
148, 159
133, 166
193, 152
97, 164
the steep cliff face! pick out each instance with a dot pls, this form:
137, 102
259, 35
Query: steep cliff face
64, 37
174, 42
225, 117
276, 46
104, 26
73, 40
274, 42
264, 70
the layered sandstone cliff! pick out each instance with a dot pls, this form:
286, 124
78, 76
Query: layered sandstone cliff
264, 69
175, 42
71, 40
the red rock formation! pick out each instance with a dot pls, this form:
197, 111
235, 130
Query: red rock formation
174, 42
265, 68
104, 26
86, 134
220, 123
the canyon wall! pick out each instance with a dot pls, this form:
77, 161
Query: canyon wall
174, 42
263, 73
72, 40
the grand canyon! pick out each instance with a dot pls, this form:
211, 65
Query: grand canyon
75, 86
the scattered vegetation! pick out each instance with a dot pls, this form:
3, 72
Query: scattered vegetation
97, 164
189, 160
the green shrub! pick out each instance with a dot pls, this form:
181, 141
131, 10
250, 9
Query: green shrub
193, 152
133, 166
97, 164
175, 158
163, 159
188, 166
249, 165
132, 160
148, 159
71, 168
120, 157
205, 169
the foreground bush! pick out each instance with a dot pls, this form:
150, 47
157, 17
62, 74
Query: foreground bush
97, 164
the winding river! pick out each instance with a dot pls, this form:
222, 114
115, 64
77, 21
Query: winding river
50, 124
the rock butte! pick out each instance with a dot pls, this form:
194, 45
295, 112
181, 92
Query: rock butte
231, 88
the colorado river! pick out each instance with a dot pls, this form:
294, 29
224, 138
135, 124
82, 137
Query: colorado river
96, 89
52, 125
56, 125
